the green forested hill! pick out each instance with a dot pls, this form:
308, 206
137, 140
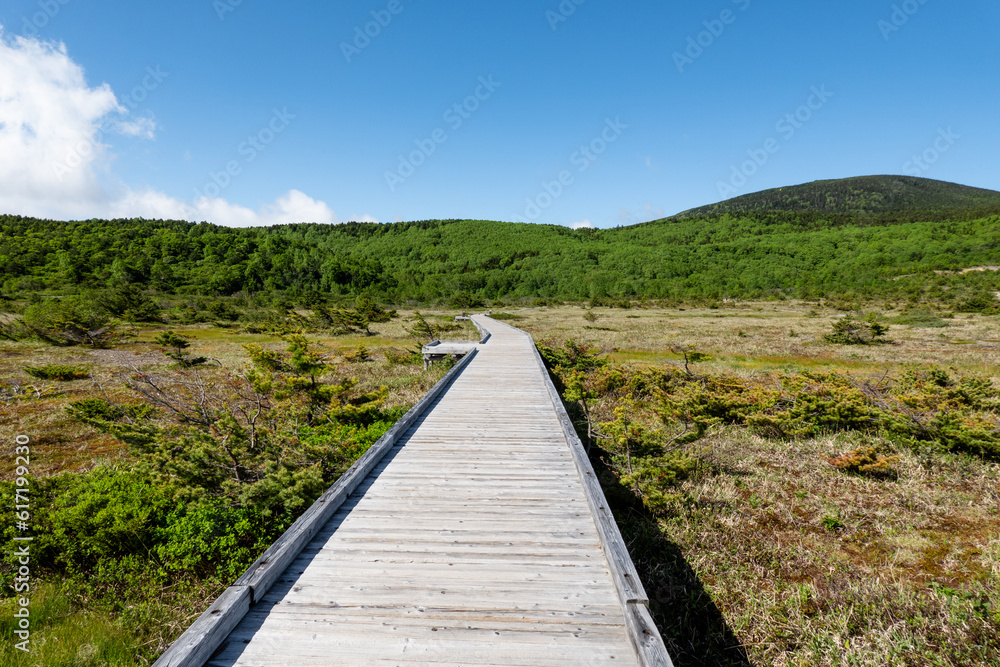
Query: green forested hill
862, 194
753, 255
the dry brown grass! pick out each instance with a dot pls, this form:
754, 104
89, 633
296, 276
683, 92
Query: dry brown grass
908, 577
758, 337
62, 444
770, 555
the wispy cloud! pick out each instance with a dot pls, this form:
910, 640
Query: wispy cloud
55, 161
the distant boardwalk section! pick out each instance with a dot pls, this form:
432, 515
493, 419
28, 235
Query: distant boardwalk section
479, 538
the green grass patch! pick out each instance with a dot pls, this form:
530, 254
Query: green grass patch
797, 362
64, 635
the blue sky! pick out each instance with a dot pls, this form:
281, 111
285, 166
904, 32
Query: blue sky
600, 113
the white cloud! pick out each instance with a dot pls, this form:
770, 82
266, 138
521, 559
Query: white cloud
296, 206
48, 115
140, 127
54, 161
292, 207
583, 224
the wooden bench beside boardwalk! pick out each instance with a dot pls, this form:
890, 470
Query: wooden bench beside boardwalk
438, 350
474, 533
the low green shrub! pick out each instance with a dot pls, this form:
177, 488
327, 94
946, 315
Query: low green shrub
119, 530
101, 409
128, 301
173, 346
66, 322
647, 462
421, 329
926, 410
401, 357
372, 310
864, 461
61, 373
571, 355
920, 317
358, 355
340, 322
850, 331
981, 301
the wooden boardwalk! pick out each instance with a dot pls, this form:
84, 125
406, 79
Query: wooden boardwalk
471, 542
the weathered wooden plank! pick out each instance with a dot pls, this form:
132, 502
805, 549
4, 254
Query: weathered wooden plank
429, 652
333, 621
456, 547
449, 570
495, 524
449, 347
645, 638
494, 512
402, 555
468, 596
332, 633
470, 504
603, 614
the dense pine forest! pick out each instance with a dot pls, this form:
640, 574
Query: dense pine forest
903, 255
861, 194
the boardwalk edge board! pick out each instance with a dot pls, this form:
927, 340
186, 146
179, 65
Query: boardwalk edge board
483, 333
642, 632
206, 635
200, 641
